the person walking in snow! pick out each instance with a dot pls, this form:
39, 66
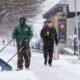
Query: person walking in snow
49, 35
3, 42
23, 34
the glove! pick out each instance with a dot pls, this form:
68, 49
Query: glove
24, 42
47, 34
13, 36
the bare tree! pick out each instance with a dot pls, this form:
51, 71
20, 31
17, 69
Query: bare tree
11, 10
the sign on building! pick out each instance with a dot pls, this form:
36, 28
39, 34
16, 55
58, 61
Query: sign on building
71, 4
62, 31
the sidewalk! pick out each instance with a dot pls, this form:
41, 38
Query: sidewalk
63, 69
66, 68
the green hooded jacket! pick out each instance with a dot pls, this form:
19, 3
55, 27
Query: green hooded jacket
22, 32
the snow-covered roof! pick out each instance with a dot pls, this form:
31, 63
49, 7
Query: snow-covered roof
57, 8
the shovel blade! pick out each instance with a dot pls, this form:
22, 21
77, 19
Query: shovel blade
5, 66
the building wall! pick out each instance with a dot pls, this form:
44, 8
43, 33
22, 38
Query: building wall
71, 4
56, 22
59, 19
70, 32
70, 27
71, 21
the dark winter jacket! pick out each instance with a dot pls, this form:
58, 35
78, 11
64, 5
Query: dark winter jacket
49, 35
22, 32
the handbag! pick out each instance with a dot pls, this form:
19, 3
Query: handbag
56, 53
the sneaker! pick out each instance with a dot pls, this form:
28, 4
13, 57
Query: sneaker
27, 68
18, 69
45, 63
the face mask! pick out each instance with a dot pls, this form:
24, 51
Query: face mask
22, 22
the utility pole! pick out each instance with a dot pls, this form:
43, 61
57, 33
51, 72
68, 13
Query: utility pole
77, 32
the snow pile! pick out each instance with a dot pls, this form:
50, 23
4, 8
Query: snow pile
17, 75
69, 50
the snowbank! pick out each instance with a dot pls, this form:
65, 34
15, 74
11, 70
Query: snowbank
17, 75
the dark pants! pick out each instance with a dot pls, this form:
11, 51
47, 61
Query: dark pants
48, 52
23, 55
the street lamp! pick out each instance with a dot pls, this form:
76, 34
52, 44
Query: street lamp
75, 44
75, 3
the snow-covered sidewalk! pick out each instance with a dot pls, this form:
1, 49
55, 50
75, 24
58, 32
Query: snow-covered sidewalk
63, 69
6, 54
18, 75
66, 68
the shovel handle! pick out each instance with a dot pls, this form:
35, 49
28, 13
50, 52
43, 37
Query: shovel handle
6, 45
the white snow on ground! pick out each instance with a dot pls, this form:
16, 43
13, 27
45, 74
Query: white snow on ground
62, 69
69, 50
14, 75
66, 68
17, 75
